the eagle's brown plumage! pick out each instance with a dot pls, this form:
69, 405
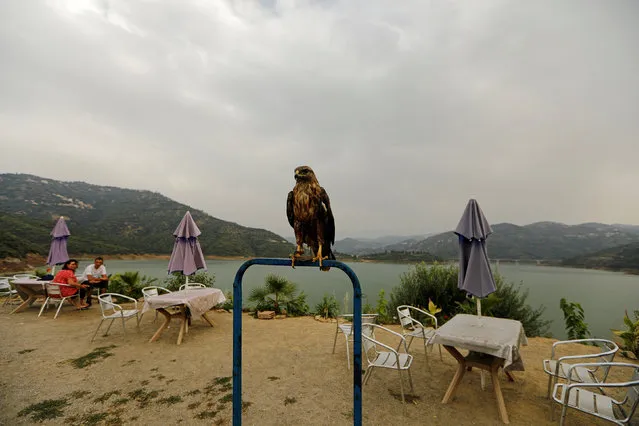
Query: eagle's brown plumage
309, 213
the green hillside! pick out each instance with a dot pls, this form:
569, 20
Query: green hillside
542, 240
110, 220
622, 258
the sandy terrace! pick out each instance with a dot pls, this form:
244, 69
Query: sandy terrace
290, 377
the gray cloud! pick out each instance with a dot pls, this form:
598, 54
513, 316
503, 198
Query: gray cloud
404, 110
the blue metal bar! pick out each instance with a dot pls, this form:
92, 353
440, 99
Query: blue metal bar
237, 331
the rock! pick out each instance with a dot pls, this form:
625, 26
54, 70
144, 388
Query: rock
266, 315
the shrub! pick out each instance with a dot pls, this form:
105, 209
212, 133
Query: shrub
422, 282
328, 307
130, 283
575, 320
439, 284
629, 336
383, 316
175, 280
279, 294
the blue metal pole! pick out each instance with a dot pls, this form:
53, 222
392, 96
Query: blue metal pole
237, 331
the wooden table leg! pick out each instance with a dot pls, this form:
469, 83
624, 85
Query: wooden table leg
165, 324
510, 376
184, 327
461, 369
207, 319
501, 406
32, 296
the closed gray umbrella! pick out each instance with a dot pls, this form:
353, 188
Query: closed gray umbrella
475, 275
187, 254
58, 250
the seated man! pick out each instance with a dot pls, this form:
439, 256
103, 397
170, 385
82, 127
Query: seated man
95, 276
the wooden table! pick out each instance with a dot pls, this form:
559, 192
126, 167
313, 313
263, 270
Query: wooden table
187, 304
493, 343
32, 288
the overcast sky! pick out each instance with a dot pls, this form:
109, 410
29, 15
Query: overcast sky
404, 109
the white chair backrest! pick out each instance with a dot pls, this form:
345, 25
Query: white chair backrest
53, 290
404, 316
28, 276
368, 343
4, 284
106, 304
149, 292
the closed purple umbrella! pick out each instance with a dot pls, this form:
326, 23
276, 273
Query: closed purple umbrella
58, 250
187, 254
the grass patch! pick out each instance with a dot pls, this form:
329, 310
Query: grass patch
105, 396
206, 414
159, 376
96, 355
226, 398
170, 381
170, 400
94, 419
120, 401
273, 378
221, 421
246, 405
25, 351
222, 380
409, 398
129, 362
144, 382
142, 396
79, 394
288, 400
45, 410
193, 392
155, 369
194, 405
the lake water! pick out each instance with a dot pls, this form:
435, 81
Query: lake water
603, 295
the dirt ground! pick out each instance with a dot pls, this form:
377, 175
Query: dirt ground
290, 377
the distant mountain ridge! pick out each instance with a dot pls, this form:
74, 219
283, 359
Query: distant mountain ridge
111, 220
537, 241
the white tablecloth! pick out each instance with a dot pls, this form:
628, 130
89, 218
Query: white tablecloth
499, 337
198, 300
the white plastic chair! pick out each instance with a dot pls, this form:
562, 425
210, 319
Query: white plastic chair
380, 355
111, 310
191, 285
54, 295
26, 276
576, 396
153, 291
346, 328
7, 291
413, 328
557, 368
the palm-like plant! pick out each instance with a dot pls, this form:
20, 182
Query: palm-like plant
276, 291
130, 283
630, 336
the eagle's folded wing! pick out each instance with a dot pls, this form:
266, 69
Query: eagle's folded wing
329, 221
289, 209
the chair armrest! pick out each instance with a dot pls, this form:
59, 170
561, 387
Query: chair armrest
385, 346
128, 298
428, 314
563, 342
595, 365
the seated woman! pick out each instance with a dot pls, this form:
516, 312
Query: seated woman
67, 276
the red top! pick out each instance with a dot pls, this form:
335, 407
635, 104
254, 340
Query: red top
63, 276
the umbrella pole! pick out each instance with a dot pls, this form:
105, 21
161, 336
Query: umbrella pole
481, 372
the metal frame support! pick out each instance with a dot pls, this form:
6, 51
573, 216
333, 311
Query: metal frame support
237, 331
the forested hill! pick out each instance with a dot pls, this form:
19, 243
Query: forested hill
623, 258
110, 220
541, 240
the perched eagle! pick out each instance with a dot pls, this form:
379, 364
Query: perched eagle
309, 213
